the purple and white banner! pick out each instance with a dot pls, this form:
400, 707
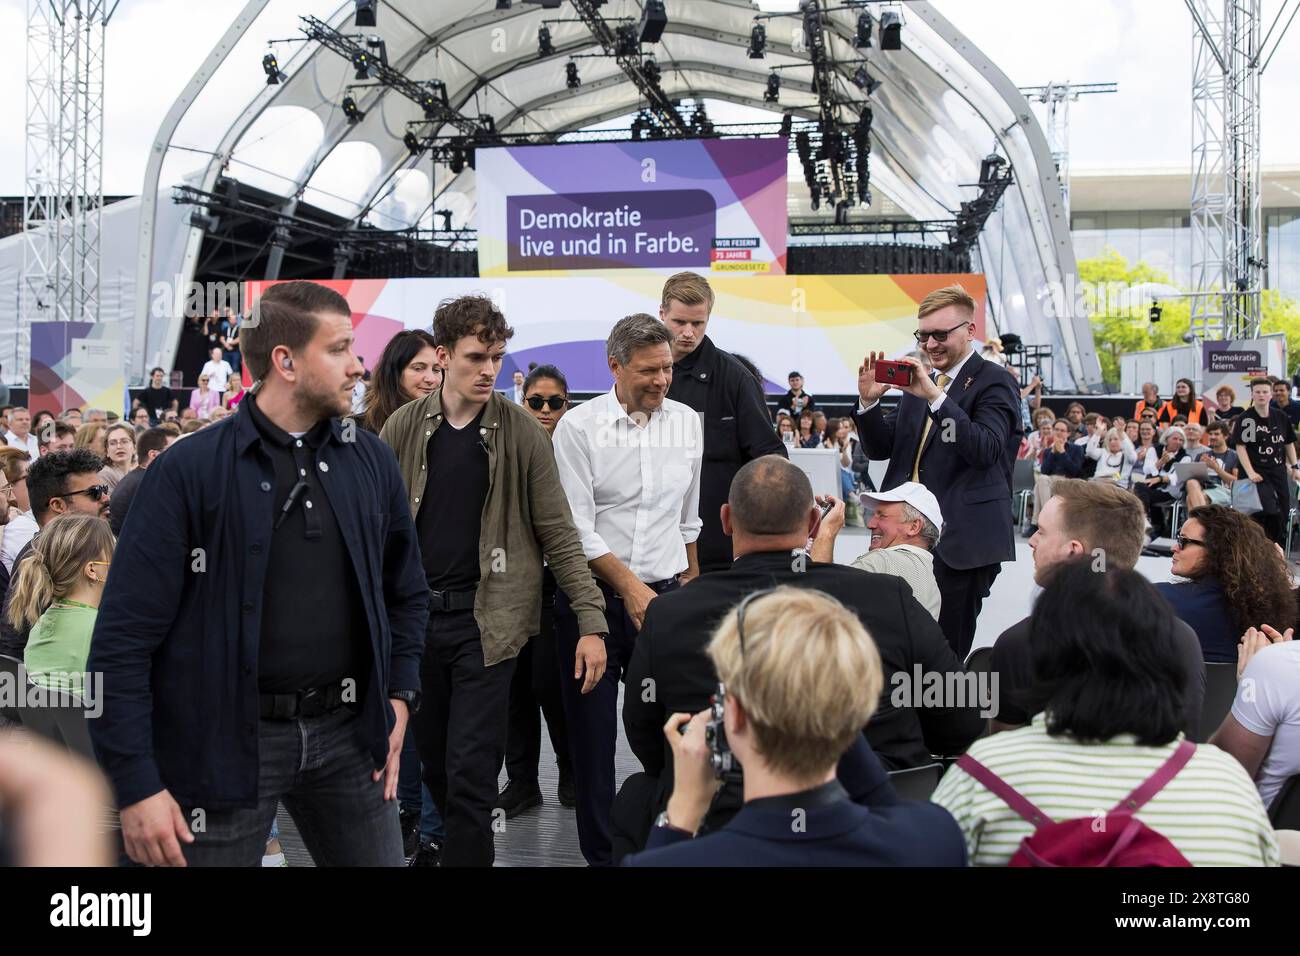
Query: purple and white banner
707, 205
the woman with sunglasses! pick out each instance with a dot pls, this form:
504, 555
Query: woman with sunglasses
407, 370
1236, 579
119, 440
536, 682
204, 399
56, 592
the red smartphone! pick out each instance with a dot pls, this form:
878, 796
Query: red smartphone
898, 374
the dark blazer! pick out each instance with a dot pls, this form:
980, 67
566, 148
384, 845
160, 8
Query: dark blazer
177, 642
1068, 464
835, 832
970, 475
670, 654
737, 429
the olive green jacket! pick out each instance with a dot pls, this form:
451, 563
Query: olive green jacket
525, 516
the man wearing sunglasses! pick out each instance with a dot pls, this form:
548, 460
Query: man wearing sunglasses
65, 482
957, 434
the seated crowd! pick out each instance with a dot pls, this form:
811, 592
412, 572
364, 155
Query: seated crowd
787, 686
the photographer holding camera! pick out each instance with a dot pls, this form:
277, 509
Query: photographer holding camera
799, 677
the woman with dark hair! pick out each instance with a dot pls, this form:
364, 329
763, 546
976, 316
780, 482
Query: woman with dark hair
1184, 403
1109, 682
1236, 580
407, 370
535, 684
808, 436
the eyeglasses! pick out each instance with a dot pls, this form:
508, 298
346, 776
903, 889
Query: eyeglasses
940, 336
1184, 541
554, 403
94, 492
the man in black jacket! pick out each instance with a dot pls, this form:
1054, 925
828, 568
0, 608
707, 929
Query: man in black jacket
737, 426
770, 516
261, 632
957, 434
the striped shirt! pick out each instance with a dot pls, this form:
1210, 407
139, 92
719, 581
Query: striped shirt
1210, 811
914, 565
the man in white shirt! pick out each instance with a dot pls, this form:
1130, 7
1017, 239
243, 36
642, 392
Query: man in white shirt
905, 525
516, 392
217, 370
630, 463
20, 433
21, 526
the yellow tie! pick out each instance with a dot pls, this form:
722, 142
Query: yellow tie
942, 381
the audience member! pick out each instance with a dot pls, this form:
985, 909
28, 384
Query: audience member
1102, 526
1282, 399
1225, 408
120, 442
1234, 580
535, 686
139, 420
487, 505
284, 671
1075, 414
96, 415
156, 398
1263, 728
1114, 462
90, 436
150, 445
1159, 483
20, 433
1040, 440
407, 370
1264, 441
72, 416
1185, 404
217, 369
229, 338
737, 427
1060, 459
905, 524
204, 398
1110, 683
1131, 428
55, 594
785, 429
1196, 445
809, 437
1149, 402
14, 464
801, 678
796, 400
1216, 487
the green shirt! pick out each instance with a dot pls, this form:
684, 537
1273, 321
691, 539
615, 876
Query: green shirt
58, 646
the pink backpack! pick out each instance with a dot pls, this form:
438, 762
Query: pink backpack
1120, 840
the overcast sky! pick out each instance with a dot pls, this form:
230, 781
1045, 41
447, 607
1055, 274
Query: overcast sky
1144, 45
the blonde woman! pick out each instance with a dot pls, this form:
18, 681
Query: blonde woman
91, 435
119, 440
56, 591
204, 399
1115, 460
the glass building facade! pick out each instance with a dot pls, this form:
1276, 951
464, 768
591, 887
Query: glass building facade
1162, 238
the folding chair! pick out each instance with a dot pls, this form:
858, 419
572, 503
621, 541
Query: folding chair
916, 783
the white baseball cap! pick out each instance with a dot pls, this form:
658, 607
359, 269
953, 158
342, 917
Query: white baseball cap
912, 493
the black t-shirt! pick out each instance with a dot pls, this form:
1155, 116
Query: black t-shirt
156, 401
314, 629
1272, 435
1292, 411
448, 522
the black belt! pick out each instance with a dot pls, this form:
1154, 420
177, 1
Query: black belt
451, 600
310, 702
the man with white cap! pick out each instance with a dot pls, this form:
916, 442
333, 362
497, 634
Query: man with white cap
905, 524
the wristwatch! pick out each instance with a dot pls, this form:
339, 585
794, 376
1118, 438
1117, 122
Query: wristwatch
662, 823
410, 697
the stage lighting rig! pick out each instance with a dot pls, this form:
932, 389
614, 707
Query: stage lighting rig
361, 61
366, 11
651, 70
379, 46
773, 92
571, 78
544, 45
412, 143
891, 30
350, 110
757, 41
862, 38
271, 66
654, 18
626, 40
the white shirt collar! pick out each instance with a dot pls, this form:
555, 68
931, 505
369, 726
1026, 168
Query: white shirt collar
953, 372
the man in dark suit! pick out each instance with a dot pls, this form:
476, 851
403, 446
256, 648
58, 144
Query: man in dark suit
801, 675
957, 434
737, 425
770, 516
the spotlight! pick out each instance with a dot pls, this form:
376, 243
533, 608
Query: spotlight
891, 30
271, 66
571, 79
653, 20
865, 81
773, 92
350, 110
862, 38
651, 70
626, 41
205, 222
503, 4
544, 45
381, 48
456, 160
366, 10
361, 60
412, 143
757, 41
787, 123
1154, 314
991, 168
816, 198
431, 100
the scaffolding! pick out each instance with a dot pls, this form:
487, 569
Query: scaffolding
1057, 97
64, 193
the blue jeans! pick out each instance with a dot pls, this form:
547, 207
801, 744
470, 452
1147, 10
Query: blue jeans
846, 484
319, 769
413, 794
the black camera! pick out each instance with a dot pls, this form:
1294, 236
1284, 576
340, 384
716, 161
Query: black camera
721, 759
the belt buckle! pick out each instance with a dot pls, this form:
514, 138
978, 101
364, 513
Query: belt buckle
309, 702
440, 600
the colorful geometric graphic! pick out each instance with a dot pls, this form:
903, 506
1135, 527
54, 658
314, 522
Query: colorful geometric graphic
78, 365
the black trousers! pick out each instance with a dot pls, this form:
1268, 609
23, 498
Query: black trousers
593, 718
963, 595
1151, 497
1275, 498
534, 689
460, 731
